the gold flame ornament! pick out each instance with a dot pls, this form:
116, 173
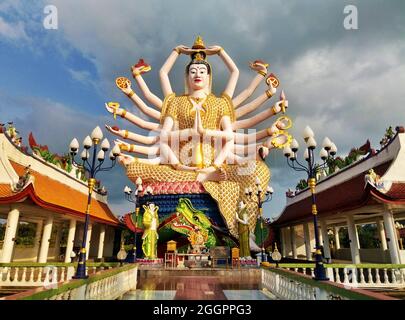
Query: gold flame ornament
198, 43
114, 106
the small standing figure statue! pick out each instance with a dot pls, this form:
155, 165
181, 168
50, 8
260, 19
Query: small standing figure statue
243, 229
150, 236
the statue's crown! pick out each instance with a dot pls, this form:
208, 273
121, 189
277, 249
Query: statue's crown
198, 43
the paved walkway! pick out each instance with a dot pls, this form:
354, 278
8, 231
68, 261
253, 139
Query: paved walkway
196, 288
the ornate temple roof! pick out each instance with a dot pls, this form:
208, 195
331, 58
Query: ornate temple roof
352, 188
49, 187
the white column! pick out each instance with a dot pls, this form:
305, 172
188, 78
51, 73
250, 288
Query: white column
325, 237
337, 238
320, 234
88, 240
101, 242
392, 237
70, 240
381, 234
354, 245
283, 243
46, 236
293, 242
37, 241
57, 242
358, 239
307, 239
10, 234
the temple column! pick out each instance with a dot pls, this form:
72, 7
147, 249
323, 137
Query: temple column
101, 242
307, 239
37, 241
283, 243
10, 234
325, 237
88, 240
391, 237
354, 245
293, 242
337, 238
46, 236
57, 242
320, 235
381, 235
70, 240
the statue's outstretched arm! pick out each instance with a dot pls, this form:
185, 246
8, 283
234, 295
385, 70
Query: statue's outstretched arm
126, 159
251, 122
150, 97
233, 79
131, 117
247, 108
140, 104
167, 66
133, 148
261, 69
282, 123
133, 136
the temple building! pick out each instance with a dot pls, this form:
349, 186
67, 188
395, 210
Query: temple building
370, 191
46, 190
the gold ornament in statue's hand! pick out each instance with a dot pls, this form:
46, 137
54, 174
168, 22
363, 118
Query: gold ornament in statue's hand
283, 123
122, 83
113, 107
259, 65
141, 67
272, 80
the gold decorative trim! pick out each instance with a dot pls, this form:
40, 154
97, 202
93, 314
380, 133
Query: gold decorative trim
264, 74
124, 112
269, 94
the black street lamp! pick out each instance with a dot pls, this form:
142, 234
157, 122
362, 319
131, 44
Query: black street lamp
327, 152
132, 196
268, 197
92, 168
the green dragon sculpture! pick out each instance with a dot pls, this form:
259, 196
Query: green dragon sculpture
194, 224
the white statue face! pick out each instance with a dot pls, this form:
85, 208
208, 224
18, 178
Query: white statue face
198, 77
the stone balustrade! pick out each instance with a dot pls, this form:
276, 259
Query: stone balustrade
361, 276
38, 275
102, 285
290, 285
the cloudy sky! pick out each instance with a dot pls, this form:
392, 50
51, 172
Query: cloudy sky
346, 84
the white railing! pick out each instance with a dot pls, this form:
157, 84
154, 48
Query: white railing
362, 277
43, 276
34, 276
108, 288
285, 288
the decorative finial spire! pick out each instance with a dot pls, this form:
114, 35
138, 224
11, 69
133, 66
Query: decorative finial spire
198, 43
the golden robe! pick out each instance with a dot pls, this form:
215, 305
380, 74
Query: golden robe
227, 193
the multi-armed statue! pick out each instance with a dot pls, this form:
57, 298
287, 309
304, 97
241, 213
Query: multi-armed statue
198, 136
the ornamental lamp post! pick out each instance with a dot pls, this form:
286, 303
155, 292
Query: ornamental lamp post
327, 152
133, 198
268, 197
93, 167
